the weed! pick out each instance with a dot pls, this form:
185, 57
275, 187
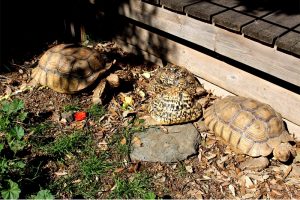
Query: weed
43, 194
96, 111
68, 108
181, 169
94, 165
12, 133
41, 128
137, 187
65, 144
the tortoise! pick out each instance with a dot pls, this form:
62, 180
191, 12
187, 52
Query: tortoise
176, 98
250, 127
69, 68
173, 106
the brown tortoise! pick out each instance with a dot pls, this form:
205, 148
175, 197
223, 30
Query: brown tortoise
69, 68
250, 127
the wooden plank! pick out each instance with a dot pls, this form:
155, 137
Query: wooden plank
203, 10
261, 57
177, 5
156, 2
290, 42
215, 72
284, 19
253, 9
226, 3
263, 31
232, 20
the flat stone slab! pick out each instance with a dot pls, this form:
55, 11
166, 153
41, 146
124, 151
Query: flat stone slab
158, 145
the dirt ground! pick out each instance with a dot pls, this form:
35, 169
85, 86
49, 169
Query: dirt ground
213, 173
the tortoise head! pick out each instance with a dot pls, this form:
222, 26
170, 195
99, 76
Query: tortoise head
284, 151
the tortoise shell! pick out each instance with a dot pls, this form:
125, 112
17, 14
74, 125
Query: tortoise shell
249, 126
174, 106
173, 75
69, 68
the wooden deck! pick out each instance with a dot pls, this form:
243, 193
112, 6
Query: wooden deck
263, 39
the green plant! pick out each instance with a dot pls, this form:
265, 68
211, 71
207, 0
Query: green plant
43, 194
12, 115
65, 144
12, 133
41, 127
12, 191
96, 111
94, 165
88, 168
137, 187
68, 108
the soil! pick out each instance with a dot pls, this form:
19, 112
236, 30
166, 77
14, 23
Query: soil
213, 173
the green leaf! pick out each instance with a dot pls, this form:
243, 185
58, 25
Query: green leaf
1, 147
19, 164
16, 105
150, 195
16, 145
22, 116
3, 165
44, 194
12, 192
5, 106
17, 132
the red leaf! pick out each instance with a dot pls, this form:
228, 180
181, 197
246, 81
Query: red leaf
79, 116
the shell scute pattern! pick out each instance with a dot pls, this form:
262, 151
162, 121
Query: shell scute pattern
173, 106
252, 127
69, 68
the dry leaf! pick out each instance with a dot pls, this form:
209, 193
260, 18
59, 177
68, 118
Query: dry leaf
123, 141
147, 75
248, 182
134, 167
118, 170
287, 171
76, 181
136, 141
232, 190
210, 156
103, 146
141, 93
128, 100
189, 169
62, 173
78, 125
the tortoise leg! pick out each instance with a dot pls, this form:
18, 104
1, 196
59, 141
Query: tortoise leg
98, 92
256, 164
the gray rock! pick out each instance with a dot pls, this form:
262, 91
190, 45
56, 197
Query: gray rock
157, 145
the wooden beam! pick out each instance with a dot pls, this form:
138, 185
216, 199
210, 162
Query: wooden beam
213, 71
232, 45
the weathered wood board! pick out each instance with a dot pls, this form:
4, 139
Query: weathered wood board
232, 20
290, 42
232, 45
177, 5
203, 10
